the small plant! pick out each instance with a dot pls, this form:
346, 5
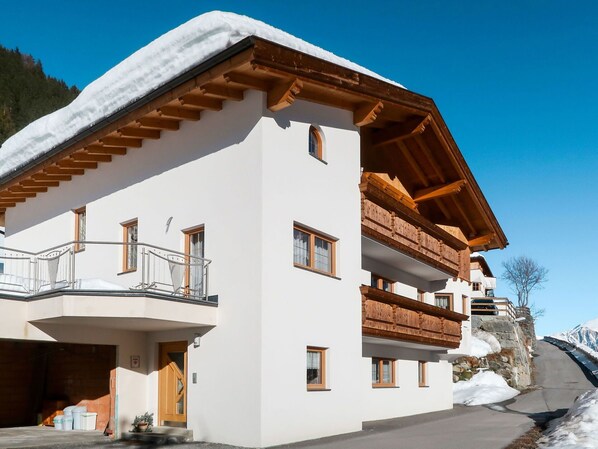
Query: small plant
143, 423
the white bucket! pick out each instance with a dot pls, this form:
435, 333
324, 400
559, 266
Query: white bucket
67, 424
58, 422
88, 421
77, 412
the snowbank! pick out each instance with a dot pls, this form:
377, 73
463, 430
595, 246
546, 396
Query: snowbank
487, 338
154, 65
479, 348
485, 387
578, 429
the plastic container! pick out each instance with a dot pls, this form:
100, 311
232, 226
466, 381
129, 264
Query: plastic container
88, 421
67, 424
58, 422
69, 410
77, 411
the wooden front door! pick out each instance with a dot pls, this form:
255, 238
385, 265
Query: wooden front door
172, 379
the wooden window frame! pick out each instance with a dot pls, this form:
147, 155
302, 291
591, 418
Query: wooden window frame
188, 233
393, 381
82, 210
126, 248
476, 284
320, 143
464, 303
311, 250
422, 373
323, 368
380, 283
421, 295
451, 300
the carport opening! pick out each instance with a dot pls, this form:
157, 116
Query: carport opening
39, 379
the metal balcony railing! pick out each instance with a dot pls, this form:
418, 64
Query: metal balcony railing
100, 266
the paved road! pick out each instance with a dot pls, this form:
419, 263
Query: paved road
561, 381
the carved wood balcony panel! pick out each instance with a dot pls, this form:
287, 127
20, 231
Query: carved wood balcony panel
395, 317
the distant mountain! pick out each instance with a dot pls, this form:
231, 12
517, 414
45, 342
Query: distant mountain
584, 336
26, 92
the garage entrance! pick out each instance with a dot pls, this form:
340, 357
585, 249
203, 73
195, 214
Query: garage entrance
37, 379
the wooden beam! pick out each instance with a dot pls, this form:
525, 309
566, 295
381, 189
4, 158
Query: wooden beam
131, 131
91, 157
70, 163
224, 92
98, 149
425, 150
179, 113
283, 94
400, 131
413, 163
481, 240
438, 191
247, 81
10, 196
201, 102
35, 182
21, 188
159, 123
54, 170
367, 113
51, 177
121, 142
4, 204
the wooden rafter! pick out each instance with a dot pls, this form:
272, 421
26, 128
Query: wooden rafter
143, 133
83, 156
247, 81
367, 113
130, 142
283, 94
35, 182
20, 188
224, 92
438, 191
51, 177
201, 102
464, 215
425, 150
401, 131
413, 163
482, 240
98, 149
179, 113
55, 170
159, 123
15, 196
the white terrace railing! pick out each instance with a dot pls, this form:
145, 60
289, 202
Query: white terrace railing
99, 266
489, 305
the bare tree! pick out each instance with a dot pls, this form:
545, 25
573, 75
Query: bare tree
525, 275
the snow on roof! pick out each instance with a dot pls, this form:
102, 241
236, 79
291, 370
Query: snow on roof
167, 57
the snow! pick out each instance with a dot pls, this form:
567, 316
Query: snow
479, 348
486, 387
578, 429
484, 337
152, 66
583, 336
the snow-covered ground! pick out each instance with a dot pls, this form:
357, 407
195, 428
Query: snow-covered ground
483, 343
584, 336
152, 66
486, 387
578, 429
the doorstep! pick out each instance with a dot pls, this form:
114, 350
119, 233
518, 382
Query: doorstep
41, 436
161, 435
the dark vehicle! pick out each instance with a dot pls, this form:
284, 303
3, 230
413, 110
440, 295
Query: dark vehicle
483, 306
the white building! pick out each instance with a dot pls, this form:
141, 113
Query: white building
268, 245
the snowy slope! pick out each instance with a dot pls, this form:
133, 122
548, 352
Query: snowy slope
486, 387
154, 65
584, 336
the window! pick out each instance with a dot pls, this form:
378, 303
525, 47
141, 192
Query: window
313, 251
421, 296
383, 372
382, 283
194, 247
444, 300
465, 302
130, 233
315, 143
80, 228
476, 286
422, 373
316, 368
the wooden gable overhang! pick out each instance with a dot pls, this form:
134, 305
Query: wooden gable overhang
404, 134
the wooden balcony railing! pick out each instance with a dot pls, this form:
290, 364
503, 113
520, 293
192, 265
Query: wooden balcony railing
389, 216
395, 317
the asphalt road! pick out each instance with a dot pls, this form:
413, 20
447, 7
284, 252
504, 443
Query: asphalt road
560, 381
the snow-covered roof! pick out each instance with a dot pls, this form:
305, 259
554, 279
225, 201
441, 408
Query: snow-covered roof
154, 65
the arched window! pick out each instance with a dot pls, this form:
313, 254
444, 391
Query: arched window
315, 143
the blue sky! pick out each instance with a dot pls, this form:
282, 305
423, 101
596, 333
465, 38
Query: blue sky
517, 83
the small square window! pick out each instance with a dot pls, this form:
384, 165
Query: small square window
382, 283
383, 372
316, 368
444, 300
313, 250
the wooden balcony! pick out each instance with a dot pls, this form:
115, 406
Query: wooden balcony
391, 217
386, 315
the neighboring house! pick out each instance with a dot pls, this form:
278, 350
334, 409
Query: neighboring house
270, 244
483, 284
